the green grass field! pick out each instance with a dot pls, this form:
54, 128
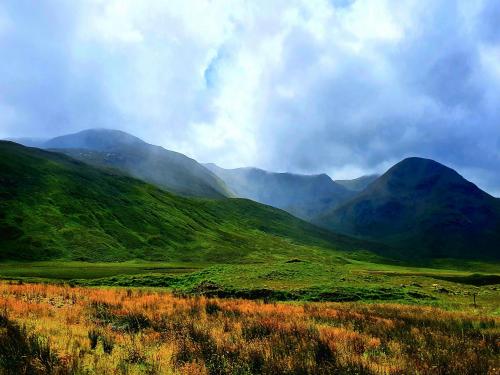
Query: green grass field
334, 278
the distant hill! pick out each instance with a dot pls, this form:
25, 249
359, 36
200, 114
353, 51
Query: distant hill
304, 196
55, 207
425, 209
358, 184
169, 170
30, 142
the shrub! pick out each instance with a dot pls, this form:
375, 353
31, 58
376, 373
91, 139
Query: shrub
212, 307
93, 338
96, 336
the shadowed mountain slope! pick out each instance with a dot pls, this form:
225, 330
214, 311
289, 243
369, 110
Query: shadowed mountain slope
424, 208
55, 207
358, 184
304, 196
169, 170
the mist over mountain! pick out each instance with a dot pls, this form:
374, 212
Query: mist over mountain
304, 196
95, 139
424, 208
169, 170
29, 142
358, 184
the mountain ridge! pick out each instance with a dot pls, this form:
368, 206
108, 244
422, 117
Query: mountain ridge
359, 183
302, 195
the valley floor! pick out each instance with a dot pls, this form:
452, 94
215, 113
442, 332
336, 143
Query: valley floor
48, 328
472, 286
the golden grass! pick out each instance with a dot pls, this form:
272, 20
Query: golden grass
120, 331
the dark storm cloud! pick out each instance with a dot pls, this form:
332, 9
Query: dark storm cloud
341, 86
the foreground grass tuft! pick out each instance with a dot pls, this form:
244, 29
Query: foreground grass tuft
26, 353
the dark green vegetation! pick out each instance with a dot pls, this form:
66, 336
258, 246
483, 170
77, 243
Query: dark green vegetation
302, 195
424, 210
67, 270
54, 207
169, 170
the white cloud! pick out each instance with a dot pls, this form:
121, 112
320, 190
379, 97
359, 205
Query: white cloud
302, 85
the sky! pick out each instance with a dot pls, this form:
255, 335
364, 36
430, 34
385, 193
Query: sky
345, 87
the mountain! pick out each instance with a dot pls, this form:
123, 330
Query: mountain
359, 183
426, 210
55, 207
304, 196
169, 170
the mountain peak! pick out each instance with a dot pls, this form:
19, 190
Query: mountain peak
418, 162
94, 139
420, 174
425, 209
421, 165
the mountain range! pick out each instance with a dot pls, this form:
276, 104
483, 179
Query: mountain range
419, 208
55, 207
304, 196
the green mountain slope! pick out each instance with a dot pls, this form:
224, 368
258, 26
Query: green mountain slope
169, 170
55, 207
425, 209
304, 196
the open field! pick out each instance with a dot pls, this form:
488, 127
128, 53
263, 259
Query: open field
60, 329
334, 279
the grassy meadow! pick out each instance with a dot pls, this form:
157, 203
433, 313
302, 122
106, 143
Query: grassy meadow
47, 328
336, 278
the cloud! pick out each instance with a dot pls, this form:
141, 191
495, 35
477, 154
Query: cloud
345, 87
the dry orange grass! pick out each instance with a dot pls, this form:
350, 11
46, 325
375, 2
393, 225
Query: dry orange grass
120, 331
